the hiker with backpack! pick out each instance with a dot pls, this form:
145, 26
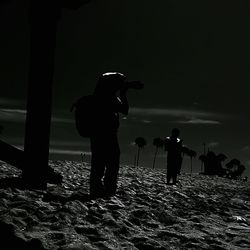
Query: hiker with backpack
100, 122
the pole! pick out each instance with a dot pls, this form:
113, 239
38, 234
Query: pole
156, 150
138, 156
135, 160
191, 165
43, 22
204, 152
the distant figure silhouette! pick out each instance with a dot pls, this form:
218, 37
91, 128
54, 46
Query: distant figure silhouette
174, 147
109, 99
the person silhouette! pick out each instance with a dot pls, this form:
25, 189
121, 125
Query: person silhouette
109, 99
174, 146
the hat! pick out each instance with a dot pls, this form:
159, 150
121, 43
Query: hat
110, 81
113, 76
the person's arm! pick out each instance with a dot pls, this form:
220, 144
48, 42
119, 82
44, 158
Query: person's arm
166, 144
123, 106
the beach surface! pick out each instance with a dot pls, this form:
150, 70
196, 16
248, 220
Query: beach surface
200, 212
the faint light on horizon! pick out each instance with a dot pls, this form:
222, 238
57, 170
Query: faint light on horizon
213, 144
172, 112
200, 121
19, 115
147, 121
68, 152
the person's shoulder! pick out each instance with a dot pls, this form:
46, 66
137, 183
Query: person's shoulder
167, 139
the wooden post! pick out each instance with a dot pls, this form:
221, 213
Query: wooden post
44, 15
43, 22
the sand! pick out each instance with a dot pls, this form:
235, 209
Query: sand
200, 212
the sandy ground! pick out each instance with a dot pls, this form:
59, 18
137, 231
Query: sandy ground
199, 213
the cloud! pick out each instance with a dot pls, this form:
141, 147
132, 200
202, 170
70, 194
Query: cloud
19, 115
67, 152
200, 121
187, 116
12, 115
246, 149
171, 112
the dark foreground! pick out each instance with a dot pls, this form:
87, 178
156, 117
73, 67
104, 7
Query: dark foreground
199, 213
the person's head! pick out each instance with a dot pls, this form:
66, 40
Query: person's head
109, 83
175, 132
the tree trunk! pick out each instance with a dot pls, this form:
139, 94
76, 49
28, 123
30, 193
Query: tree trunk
43, 22
138, 156
156, 151
191, 165
135, 159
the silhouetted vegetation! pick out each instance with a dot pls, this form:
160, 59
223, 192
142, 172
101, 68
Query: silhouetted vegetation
213, 166
213, 163
192, 154
141, 143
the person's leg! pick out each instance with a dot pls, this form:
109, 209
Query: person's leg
169, 170
174, 176
112, 167
97, 168
168, 175
179, 165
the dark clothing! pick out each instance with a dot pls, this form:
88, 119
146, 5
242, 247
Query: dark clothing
106, 114
104, 163
105, 149
174, 159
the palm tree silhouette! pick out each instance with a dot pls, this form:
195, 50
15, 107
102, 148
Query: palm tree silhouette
235, 162
185, 150
202, 158
239, 171
158, 143
192, 154
140, 142
219, 159
232, 166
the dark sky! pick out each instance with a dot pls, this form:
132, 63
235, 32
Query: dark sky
193, 57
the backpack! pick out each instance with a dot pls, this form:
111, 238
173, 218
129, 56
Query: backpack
84, 113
